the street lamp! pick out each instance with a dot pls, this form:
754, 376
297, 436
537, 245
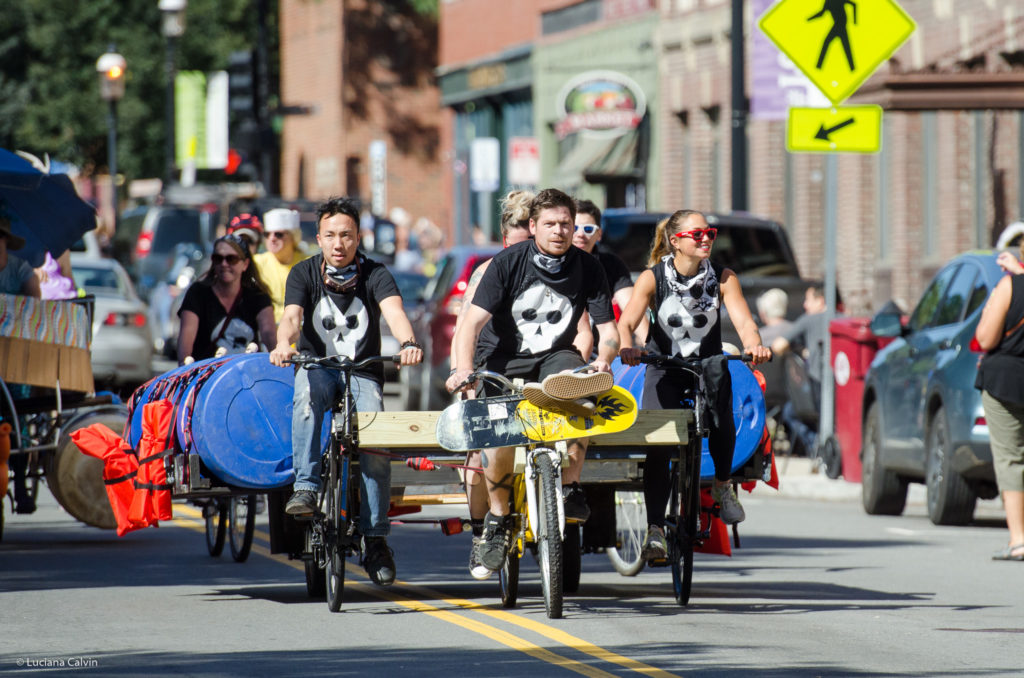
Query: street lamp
173, 27
111, 67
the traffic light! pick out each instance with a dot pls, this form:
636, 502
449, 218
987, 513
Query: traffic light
241, 86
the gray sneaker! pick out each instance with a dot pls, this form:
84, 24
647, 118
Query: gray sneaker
476, 568
302, 502
730, 510
495, 542
655, 547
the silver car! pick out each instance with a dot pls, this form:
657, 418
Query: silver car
122, 347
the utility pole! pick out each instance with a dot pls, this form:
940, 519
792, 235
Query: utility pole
739, 111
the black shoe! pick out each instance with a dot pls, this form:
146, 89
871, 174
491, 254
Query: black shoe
495, 542
303, 502
379, 561
576, 509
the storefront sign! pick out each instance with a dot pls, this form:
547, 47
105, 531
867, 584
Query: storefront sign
483, 77
523, 161
484, 165
602, 103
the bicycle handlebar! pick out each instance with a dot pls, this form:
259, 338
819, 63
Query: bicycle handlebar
340, 362
486, 375
661, 360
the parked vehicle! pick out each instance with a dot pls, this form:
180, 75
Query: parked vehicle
410, 286
163, 228
122, 348
923, 419
422, 386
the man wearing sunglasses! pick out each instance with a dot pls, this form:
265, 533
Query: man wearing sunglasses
281, 228
587, 236
333, 304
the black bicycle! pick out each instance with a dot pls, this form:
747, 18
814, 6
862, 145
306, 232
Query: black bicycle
332, 533
683, 526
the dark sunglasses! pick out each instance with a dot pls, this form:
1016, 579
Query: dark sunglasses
231, 259
271, 235
699, 233
588, 229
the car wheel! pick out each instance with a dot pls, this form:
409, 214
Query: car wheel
883, 493
950, 499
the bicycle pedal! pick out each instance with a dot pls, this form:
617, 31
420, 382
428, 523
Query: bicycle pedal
658, 562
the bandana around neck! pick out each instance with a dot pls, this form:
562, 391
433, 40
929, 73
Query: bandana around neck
682, 285
341, 280
546, 262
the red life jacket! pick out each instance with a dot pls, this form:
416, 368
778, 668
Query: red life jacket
152, 498
120, 467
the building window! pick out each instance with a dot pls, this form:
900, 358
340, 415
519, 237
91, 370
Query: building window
929, 189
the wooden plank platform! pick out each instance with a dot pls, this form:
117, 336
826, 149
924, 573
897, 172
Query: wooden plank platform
409, 430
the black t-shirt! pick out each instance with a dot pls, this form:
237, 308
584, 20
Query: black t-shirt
242, 327
341, 324
686, 310
615, 269
535, 312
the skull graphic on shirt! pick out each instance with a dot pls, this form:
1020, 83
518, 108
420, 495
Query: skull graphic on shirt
341, 331
686, 327
236, 337
542, 315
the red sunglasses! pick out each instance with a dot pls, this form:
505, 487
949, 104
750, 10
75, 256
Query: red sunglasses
699, 233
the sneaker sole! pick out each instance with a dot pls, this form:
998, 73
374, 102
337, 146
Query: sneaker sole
536, 395
573, 386
481, 574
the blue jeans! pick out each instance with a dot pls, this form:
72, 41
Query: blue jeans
316, 391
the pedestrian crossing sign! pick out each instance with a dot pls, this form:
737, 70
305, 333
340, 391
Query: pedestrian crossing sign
840, 129
837, 44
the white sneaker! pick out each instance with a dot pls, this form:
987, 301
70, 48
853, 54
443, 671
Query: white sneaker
730, 509
476, 568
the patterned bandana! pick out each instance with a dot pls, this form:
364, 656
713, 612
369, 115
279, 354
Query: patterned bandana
548, 263
696, 292
341, 280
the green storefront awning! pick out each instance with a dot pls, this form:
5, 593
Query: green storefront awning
596, 159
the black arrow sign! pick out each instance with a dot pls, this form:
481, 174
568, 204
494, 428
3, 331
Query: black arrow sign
824, 133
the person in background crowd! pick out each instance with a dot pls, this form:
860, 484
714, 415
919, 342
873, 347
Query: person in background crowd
281, 228
249, 229
1010, 263
228, 307
16, 276
1001, 380
771, 307
587, 236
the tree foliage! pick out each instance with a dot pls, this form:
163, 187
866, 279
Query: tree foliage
49, 93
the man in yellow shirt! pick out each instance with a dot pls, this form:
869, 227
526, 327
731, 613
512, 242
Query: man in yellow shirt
281, 229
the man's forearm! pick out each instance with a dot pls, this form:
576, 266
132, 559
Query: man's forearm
608, 347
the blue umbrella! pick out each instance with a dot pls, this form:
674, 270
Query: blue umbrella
44, 209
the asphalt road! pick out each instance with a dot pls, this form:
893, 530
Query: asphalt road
818, 588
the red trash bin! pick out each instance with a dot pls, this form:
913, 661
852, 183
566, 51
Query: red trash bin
853, 348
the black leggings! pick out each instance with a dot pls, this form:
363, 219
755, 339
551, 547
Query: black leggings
664, 389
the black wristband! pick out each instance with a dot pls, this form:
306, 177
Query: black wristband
411, 343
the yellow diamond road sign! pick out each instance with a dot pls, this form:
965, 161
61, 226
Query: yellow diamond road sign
837, 43
842, 129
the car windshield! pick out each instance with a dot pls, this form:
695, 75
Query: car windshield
100, 281
175, 226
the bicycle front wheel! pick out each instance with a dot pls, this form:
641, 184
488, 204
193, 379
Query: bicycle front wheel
549, 541
241, 525
630, 531
337, 509
508, 578
686, 497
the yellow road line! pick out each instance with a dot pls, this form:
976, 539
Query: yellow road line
491, 632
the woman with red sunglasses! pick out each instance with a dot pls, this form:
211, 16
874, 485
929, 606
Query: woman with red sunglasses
228, 308
685, 292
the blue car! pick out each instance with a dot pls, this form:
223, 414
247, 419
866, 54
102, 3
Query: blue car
923, 420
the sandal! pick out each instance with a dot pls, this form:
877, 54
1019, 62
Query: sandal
1007, 553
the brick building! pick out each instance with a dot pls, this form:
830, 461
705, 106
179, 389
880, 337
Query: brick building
948, 177
367, 71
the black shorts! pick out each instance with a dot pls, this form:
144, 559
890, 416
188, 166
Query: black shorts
532, 368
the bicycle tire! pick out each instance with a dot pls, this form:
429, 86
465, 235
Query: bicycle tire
315, 579
572, 554
630, 532
686, 496
241, 526
334, 572
549, 541
508, 578
216, 516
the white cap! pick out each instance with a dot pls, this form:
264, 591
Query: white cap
280, 219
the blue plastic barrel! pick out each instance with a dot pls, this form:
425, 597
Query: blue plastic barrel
747, 410
149, 395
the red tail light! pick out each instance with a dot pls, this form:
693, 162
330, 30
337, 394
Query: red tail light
144, 244
125, 319
980, 421
138, 319
112, 319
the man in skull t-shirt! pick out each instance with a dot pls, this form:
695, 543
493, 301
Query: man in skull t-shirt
333, 305
533, 295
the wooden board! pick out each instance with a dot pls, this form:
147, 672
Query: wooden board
404, 430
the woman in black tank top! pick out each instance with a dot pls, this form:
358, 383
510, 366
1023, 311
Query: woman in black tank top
685, 291
1001, 380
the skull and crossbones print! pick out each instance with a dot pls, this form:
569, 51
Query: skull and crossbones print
542, 315
341, 331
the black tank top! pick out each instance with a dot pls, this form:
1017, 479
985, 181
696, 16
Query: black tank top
1001, 372
686, 310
